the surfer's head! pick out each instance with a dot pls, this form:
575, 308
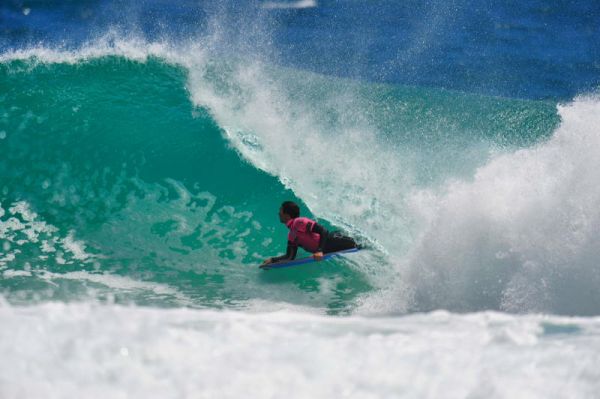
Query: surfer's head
289, 210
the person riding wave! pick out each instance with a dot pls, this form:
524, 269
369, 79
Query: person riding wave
309, 235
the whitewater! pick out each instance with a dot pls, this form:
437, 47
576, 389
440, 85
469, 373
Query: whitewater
94, 351
140, 180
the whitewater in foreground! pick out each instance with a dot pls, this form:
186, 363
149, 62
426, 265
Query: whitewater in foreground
58, 350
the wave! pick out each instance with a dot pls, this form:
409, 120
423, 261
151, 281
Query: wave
444, 185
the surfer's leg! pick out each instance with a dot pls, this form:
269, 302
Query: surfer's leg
338, 242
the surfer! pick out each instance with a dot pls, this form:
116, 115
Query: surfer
309, 235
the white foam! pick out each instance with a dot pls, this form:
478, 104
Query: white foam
24, 228
76, 248
16, 273
524, 235
110, 44
119, 283
93, 351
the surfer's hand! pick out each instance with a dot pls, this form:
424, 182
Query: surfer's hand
318, 256
268, 261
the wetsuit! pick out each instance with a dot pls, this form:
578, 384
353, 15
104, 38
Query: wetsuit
312, 237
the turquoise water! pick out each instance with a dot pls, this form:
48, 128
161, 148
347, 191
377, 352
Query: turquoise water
132, 169
113, 152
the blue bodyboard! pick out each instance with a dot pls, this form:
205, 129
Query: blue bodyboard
310, 259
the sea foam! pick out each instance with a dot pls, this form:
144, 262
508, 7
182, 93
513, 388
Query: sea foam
60, 350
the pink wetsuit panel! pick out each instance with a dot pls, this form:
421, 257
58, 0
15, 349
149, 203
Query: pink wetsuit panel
298, 234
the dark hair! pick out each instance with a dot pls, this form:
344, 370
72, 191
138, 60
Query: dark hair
291, 209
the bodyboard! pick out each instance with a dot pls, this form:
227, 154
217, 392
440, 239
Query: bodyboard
310, 259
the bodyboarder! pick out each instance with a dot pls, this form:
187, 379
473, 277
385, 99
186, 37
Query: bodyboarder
309, 235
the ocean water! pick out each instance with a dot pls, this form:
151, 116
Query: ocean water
145, 149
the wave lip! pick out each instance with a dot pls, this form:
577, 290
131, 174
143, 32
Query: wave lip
110, 44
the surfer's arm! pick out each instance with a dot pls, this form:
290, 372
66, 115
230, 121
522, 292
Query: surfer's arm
290, 254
